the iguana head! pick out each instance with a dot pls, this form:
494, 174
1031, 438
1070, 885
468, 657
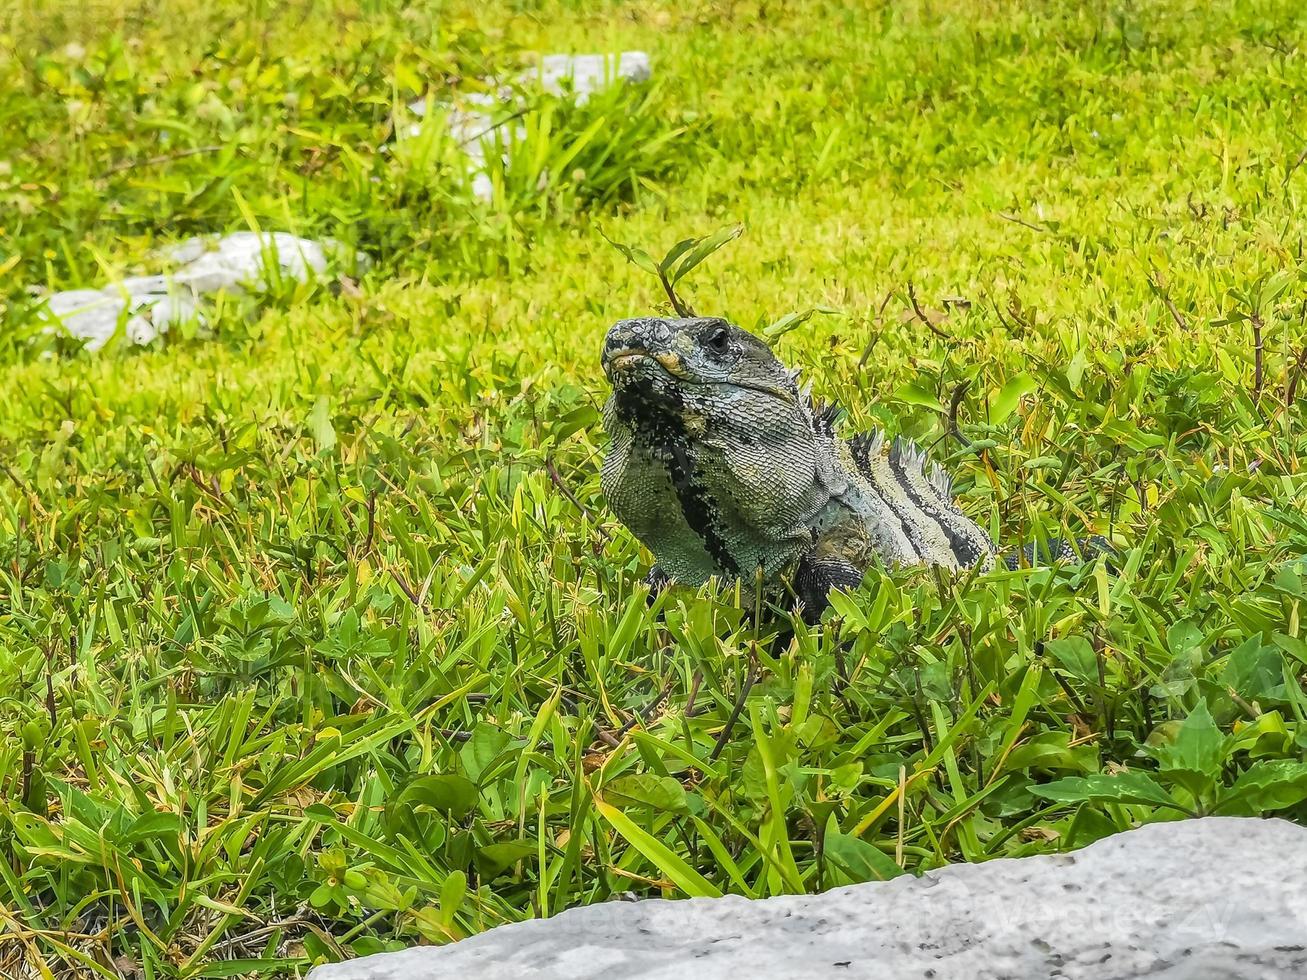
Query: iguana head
715, 452
696, 368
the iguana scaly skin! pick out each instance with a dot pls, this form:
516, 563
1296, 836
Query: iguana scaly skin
722, 466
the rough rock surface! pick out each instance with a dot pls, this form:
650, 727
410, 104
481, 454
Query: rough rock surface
148, 305
1213, 899
472, 122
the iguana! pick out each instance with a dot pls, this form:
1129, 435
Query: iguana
721, 465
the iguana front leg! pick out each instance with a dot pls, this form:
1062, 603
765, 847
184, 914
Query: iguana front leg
815, 576
657, 580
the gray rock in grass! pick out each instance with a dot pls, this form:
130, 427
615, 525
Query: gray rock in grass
147, 306
1218, 898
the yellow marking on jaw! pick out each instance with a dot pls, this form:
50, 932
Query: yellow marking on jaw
671, 363
622, 359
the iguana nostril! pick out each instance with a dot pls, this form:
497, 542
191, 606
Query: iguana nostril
620, 337
644, 333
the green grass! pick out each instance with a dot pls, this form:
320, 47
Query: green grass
316, 637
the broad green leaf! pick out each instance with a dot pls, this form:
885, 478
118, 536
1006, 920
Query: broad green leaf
1131, 436
848, 607
859, 860
482, 749
494, 859
1266, 736
1183, 637
1270, 785
279, 611
320, 427
917, 393
1294, 646
448, 792
646, 789
636, 256
1271, 290
1007, 398
782, 748
320, 813
674, 253
1289, 578
1051, 751
1254, 671
1125, 787
1197, 745
1076, 656
1075, 369
452, 892
700, 250
153, 825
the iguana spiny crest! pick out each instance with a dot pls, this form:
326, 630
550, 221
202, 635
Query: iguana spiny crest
722, 466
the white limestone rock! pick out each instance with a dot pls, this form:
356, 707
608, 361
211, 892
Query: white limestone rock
472, 120
147, 306
585, 74
1218, 898
92, 316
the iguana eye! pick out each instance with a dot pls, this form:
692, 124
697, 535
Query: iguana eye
718, 339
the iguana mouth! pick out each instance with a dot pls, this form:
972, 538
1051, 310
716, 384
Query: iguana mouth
624, 361
630, 358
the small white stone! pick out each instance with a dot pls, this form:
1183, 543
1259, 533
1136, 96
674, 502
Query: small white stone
88, 314
205, 266
472, 121
585, 74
